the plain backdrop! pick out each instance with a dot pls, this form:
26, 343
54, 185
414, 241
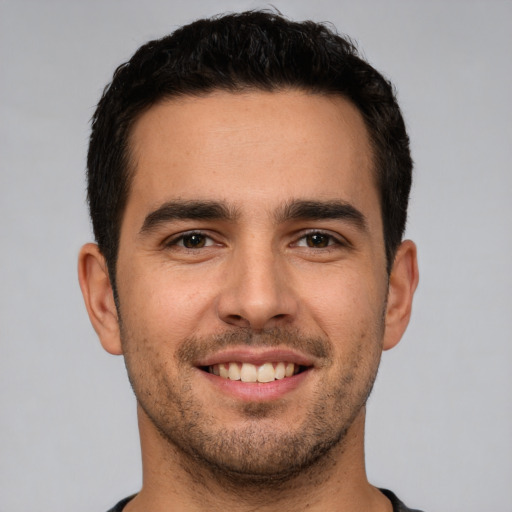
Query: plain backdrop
440, 419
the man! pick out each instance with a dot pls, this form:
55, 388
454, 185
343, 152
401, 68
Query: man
248, 188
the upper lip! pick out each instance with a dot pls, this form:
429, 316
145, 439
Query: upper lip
256, 356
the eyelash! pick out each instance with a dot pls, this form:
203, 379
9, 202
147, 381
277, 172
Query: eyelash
176, 240
332, 240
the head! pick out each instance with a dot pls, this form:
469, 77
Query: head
248, 183
234, 53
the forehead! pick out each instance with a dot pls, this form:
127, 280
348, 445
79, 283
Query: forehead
248, 147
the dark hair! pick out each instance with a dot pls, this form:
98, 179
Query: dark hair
235, 52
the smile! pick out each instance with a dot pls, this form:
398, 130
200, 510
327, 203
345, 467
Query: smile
248, 372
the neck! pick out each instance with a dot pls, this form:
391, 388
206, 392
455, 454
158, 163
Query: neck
174, 481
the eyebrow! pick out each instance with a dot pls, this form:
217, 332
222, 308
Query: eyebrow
187, 210
213, 210
322, 210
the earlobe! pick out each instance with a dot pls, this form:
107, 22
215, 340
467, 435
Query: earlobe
402, 285
99, 298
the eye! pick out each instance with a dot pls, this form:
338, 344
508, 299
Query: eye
191, 240
317, 240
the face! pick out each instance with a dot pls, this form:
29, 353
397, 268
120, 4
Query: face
252, 277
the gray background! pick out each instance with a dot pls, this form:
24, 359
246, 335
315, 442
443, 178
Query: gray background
440, 420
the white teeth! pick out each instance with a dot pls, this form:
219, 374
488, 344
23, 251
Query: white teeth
280, 371
247, 372
223, 371
234, 371
266, 373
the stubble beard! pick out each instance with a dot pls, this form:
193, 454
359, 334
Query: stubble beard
254, 454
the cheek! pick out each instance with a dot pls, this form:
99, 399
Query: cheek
163, 305
346, 302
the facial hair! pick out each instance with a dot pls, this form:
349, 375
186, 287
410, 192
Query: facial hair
254, 451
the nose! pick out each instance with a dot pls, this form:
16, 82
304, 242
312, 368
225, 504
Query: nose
257, 293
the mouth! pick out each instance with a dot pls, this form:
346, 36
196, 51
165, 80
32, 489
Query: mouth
255, 373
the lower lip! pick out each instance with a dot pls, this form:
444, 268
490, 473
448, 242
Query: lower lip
257, 391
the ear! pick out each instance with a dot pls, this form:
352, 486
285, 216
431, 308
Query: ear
99, 297
402, 285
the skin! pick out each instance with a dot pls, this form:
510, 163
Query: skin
258, 282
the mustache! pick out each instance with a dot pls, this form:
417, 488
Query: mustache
194, 347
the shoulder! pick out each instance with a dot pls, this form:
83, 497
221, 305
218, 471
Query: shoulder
398, 506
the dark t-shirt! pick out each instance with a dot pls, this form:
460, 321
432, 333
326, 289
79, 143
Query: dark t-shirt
398, 506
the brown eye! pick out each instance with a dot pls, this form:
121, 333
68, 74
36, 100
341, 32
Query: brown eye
194, 241
317, 240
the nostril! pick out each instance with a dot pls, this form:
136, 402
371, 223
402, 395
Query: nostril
237, 320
